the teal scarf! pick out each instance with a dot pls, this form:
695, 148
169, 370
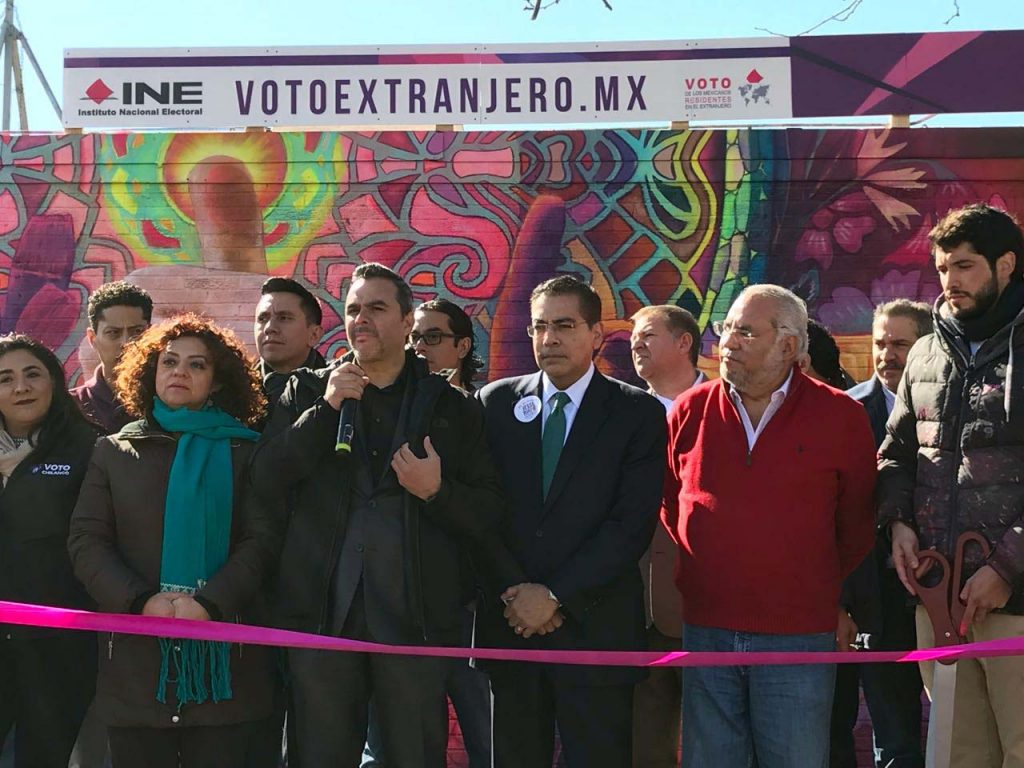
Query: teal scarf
197, 535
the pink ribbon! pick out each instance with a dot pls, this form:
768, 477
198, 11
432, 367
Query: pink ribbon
63, 618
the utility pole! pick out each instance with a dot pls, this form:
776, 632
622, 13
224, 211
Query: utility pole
10, 38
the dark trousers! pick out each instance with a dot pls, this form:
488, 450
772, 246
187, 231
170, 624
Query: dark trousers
216, 746
331, 695
46, 685
594, 722
470, 693
657, 709
266, 747
891, 691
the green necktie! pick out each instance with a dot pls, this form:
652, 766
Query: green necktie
554, 437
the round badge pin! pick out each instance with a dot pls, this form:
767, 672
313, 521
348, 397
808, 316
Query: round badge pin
527, 409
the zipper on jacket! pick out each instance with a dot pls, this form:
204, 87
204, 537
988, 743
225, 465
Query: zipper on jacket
110, 647
951, 532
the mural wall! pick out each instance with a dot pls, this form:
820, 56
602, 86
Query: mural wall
685, 217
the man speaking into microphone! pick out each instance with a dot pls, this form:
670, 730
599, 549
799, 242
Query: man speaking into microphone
371, 549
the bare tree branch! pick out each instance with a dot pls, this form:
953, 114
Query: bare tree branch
956, 11
536, 6
841, 15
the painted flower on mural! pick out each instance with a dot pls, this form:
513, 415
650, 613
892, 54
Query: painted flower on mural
876, 196
850, 310
837, 228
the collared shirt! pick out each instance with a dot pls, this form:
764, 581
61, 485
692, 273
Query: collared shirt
380, 409
890, 397
778, 397
575, 393
667, 401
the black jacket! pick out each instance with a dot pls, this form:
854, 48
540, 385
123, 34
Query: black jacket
584, 540
861, 596
296, 466
274, 382
953, 459
35, 508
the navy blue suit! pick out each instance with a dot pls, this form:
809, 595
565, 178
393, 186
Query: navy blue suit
584, 542
879, 604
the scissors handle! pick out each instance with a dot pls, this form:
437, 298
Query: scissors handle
958, 607
937, 598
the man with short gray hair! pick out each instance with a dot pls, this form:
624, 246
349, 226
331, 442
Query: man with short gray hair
665, 343
769, 499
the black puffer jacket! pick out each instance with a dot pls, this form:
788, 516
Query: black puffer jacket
35, 508
953, 459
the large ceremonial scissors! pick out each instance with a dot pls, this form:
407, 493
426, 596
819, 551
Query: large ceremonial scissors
946, 610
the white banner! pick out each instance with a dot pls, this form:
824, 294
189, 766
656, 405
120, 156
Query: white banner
579, 83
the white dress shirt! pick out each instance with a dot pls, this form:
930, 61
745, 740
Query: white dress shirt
890, 397
667, 401
778, 397
575, 393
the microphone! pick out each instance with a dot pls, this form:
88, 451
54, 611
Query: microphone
346, 427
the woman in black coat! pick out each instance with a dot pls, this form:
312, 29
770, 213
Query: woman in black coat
47, 677
166, 525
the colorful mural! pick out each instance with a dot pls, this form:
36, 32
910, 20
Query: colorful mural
647, 216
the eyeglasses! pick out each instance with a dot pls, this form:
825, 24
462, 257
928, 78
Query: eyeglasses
430, 338
558, 327
746, 335
728, 329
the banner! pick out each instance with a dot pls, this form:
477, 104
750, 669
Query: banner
569, 83
393, 86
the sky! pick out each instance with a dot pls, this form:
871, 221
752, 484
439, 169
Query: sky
53, 25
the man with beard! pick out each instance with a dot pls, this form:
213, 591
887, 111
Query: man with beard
769, 499
951, 463
371, 550
442, 334
879, 607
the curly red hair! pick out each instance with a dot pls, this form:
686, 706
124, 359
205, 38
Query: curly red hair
240, 393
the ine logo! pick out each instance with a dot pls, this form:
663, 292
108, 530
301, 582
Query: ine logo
98, 92
140, 93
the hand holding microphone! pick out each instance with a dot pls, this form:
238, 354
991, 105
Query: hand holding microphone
345, 388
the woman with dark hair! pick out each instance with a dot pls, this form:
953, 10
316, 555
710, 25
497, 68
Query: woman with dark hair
47, 677
166, 525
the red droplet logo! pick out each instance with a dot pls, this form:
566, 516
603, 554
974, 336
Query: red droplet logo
754, 77
98, 91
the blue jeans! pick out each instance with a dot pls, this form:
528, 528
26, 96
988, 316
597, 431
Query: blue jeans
776, 715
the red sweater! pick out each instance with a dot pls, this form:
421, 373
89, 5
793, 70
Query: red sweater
766, 537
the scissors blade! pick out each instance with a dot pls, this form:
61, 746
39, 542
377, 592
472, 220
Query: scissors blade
940, 720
